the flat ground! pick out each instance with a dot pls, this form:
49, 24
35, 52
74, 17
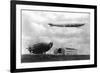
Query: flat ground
47, 58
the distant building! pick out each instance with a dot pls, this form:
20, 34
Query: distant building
70, 51
59, 51
65, 51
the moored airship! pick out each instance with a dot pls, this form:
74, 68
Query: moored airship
40, 48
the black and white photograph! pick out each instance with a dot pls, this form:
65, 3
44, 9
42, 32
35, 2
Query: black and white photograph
55, 36
52, 36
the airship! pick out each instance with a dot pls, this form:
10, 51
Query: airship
40, 48
66, 25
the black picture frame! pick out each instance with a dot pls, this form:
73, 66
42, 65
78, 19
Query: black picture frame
13, 35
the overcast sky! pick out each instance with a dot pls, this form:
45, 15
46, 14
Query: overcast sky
35, 29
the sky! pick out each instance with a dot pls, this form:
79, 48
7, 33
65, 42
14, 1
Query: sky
35, 29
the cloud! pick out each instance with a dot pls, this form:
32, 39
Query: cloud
35, 29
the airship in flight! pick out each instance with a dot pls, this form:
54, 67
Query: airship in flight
67, 25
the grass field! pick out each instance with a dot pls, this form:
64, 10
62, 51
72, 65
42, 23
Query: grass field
47, 58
